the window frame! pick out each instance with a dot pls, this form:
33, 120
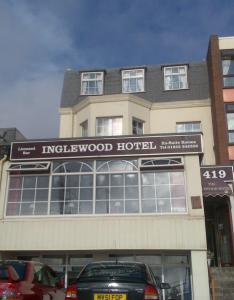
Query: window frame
229, 110
165, 68
138, 122
84, 132
231, 75
108, 118
189, 123
136, 167
82, 90
134, 77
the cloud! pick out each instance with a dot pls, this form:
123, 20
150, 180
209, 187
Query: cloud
34, 51
32, 106
40, 39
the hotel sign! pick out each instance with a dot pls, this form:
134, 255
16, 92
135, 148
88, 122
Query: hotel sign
215, 180
107, 147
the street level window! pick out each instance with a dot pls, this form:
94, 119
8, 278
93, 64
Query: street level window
137, 127
228, 71
92, 83
163, 192
28, 195
175, 78
84, 128
133, 81
118, 186
109, 126
72, 191
230, 122
188, 127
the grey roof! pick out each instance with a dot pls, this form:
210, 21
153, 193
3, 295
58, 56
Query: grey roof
154, 91
8, 135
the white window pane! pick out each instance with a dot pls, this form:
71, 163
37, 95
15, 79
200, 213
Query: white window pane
181, 70
230, 120
167, 71
175, 70
197, 126
148, 206
179, 127
164, 205
85, 207
188, 127
231, 137
131, 193
131, 206
175, 78
116, 207
92, 83
133, 81
179, 205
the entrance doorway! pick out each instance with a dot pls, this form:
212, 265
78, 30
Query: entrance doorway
218, 230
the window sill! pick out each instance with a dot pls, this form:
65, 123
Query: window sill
172, 90
228, 87
92, 94
133, 92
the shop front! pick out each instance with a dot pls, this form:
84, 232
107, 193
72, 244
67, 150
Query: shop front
69, 202
217, 184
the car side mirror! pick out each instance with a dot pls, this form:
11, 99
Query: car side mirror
164, 286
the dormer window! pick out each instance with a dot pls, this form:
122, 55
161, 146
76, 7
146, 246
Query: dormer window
92, 83
175, 78
133, 81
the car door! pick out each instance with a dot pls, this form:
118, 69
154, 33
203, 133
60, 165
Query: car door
42, 286
58, 291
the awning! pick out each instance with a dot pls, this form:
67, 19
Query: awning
217, 180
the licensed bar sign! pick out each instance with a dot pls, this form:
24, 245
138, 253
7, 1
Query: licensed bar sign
108, 146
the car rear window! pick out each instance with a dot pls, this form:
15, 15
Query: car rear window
126, 272
12, 270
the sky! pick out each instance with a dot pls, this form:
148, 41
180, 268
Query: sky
40, 39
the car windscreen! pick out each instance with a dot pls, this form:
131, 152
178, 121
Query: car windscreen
12, 270
114, 271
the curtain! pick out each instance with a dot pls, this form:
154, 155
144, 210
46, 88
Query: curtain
226, 66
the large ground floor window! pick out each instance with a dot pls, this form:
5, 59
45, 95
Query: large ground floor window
171, 267
120, 186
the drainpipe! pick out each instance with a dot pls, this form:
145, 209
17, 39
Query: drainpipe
1, 164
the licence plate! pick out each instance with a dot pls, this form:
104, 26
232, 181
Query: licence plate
110, 297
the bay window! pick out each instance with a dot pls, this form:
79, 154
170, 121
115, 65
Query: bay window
119, 186
108, 126
137, 126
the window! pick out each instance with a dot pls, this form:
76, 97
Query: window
163, 192
188, 127
133, 81
119, 186
72, 188
84, 128
175, 78
28, 195
230, 122
28, 166
228, 72
109, 126
92, 83
137, 126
